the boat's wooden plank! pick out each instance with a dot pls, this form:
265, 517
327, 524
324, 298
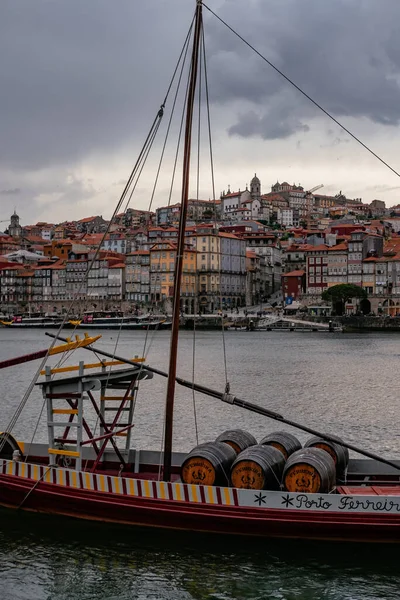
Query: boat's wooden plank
72, 453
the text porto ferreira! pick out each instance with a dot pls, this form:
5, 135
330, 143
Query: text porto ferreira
329, 503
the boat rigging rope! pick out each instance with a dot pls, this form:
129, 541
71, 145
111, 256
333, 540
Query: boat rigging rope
137, 167
35, 485
219, 249
184, 53
178, 144
193, 380
299, 89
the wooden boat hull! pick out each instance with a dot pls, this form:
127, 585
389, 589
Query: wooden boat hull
190, 516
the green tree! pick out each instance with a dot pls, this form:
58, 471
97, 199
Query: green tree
338, 295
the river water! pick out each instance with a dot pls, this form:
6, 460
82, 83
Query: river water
343, 384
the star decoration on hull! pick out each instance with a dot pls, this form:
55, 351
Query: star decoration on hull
260, 499
287, 501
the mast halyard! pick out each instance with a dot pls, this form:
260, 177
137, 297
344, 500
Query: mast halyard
169, 413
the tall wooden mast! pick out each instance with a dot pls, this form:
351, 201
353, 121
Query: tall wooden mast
169, 416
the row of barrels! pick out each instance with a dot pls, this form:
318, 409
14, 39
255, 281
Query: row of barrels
277, 462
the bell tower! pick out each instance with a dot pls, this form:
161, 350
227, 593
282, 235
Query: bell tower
255, 188
15, 228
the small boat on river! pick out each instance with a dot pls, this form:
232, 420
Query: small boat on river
117, 320
36, 321
233, 485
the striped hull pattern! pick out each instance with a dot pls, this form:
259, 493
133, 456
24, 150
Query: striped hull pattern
126, 486
78, 498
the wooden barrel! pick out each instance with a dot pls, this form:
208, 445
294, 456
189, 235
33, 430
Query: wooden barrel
258, 468
339, 453
287, 443
310, 470
208, 464
238, 439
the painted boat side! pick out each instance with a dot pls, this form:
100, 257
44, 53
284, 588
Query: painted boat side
195, 514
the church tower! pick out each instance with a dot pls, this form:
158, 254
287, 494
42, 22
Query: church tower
15, 228
255, 188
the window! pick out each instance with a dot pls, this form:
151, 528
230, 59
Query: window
311, 260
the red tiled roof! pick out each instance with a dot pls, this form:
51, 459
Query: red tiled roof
35, 238
87, 219
225, 234
338, 247
232, 195
298, 273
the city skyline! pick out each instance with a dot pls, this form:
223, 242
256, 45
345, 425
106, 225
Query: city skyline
76, 103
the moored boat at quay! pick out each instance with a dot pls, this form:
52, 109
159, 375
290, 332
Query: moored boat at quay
90, 320
231, 485
38, 321
117, 320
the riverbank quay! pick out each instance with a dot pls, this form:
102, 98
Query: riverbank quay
362, 324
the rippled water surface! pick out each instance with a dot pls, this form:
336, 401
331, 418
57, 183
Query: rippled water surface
338, 383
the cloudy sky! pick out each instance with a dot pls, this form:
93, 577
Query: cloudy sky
81, 81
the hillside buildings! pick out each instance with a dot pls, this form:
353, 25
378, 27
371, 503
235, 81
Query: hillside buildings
240, 249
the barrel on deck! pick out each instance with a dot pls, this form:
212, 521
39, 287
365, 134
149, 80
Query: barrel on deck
238, 439
339, 453
208, 464
258, 468
287, 443
310, 470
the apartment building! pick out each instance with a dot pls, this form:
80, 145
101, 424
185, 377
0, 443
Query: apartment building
162, 271
137, 276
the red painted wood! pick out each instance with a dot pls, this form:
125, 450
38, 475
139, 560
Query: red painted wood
23, 359
220, 519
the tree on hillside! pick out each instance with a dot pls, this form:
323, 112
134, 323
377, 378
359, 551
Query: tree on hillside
338, 295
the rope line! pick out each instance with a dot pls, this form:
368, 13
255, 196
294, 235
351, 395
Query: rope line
298, 88
219, 241
184, 53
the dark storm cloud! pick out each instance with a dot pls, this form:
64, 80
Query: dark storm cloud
81, 77
344, 53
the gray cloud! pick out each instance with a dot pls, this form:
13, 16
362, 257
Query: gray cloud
345, 54
82, 80
10, 192
268, 126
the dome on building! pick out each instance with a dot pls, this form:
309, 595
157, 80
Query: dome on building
255, 180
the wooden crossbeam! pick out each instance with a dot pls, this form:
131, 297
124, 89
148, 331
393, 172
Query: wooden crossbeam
115, 398
72, 453
98, 365
65, 411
